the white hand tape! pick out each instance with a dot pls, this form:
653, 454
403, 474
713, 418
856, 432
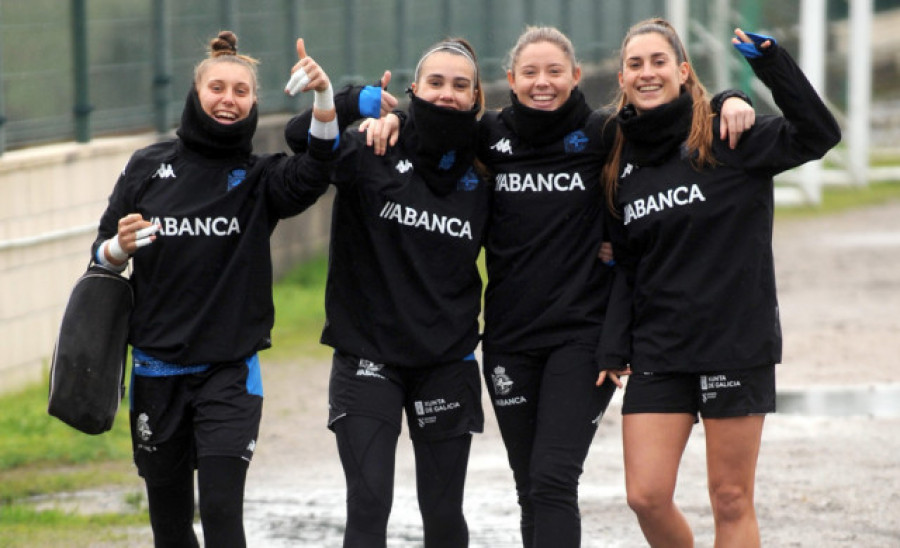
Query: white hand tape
147, 231
143, 235
115, 250
324, 100
297, 82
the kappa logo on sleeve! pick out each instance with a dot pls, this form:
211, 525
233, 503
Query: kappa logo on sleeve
403, 166
503, 146
165, 171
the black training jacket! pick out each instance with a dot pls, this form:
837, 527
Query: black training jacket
203, 289
694, 289
403, 285
546, 285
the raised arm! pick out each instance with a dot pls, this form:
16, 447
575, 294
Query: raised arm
807, 129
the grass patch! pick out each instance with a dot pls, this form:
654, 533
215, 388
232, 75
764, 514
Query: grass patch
32, 437
836, 199
23, 526
300, 313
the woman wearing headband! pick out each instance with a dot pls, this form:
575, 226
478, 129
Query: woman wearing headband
547, 290
195, 214
694, 310
402, 302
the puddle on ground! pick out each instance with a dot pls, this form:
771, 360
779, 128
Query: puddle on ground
841, 401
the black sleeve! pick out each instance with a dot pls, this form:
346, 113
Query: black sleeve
614, 349
122, 200
346, 103
293, 183
719, 99
805, 131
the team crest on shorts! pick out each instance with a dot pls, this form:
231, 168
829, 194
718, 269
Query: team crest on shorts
143, 426
368, 368
502, 382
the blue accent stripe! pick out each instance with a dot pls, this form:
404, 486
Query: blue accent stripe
254, 376
146, 365
469, 358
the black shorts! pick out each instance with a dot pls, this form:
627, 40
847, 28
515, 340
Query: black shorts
719, 394
441, 401
214, 412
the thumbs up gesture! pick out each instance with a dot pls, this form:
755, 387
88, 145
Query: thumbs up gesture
306, 74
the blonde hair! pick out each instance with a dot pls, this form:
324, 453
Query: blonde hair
533, 35
700, 137
223, 49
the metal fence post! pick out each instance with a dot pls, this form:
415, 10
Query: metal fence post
295, 10
565, 16
83, 107
350, 44
404, 76
162, 69
446, 18
229, 15
2, 105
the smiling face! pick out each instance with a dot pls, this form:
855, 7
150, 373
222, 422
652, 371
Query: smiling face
227, 92
543, 76
651, 74
446, 80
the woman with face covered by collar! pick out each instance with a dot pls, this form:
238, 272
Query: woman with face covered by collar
194, 214
403, 299
547, 289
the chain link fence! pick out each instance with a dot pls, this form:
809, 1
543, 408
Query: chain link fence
77, 69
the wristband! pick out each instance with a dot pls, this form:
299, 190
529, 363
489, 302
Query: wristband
324, 100
323, 130
752, 50
370, 101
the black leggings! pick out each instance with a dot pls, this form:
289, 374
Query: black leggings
367, 448
547, 432
220, 481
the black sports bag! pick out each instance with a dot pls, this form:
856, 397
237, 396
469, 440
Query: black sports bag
88, 368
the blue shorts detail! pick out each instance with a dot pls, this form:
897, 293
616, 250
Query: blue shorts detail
254, 376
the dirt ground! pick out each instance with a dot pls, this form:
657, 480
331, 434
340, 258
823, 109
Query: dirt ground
829, 469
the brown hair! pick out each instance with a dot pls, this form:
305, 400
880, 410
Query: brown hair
223, 49
700, 137
533, 35
461, 47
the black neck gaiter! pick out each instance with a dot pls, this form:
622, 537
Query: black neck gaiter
653, 134
201, 133
541, 127
444, 142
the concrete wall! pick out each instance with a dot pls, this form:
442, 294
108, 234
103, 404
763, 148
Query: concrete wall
51, 199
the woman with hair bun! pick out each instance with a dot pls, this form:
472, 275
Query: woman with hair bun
194, 214
547, 289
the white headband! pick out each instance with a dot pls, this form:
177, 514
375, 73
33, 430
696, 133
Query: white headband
451, 47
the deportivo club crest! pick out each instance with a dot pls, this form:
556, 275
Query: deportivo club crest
502, 382
236, 177
143, 426
575, 142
